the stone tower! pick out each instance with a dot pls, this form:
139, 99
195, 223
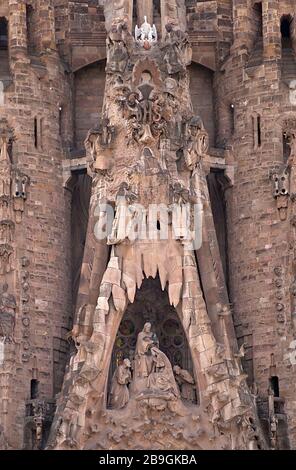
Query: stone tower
35, 220
177, 321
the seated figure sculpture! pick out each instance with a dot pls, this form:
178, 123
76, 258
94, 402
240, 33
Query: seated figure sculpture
153, 371
161, 378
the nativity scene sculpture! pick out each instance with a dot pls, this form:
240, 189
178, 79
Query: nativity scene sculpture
152, 380
152, 150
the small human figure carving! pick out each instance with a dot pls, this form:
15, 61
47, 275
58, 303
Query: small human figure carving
143, 358
186, 384
273, 431
119, 395
197, 142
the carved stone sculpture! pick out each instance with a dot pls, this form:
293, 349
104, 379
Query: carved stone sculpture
119, 394
6, 255
117, 48
143, 357
146, 35
273, 431
197, 142
161, 377
7, 315
186, 384
281, 191
6, 137
13, 183
149, 105
177, 50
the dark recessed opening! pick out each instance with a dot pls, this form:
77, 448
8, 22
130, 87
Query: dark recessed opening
231, 111
258, 18
286, 32
31, 32
286, 147
274, 384
60, 120
3, 34
156, 7
259, 130
34, 389
285, 28
35, 133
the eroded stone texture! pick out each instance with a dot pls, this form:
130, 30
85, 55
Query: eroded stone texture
124, 342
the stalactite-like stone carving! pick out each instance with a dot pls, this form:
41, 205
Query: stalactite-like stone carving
150, 108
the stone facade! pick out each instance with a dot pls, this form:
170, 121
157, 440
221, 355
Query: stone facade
199, 105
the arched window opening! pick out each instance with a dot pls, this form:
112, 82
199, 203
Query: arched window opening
61, 113
286, 32
232, 118
3, 34
257, 133
258, 19
274, 385
258, 123
35, 133
4, 58
31, 29
286, 147
34, 389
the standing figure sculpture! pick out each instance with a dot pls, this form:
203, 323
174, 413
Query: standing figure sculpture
119, 395
7, 315
143, 358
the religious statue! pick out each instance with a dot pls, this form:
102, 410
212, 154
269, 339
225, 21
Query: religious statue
117, 48
186, 384
6, 252
197, 142
161, 378
292, 145
273, 431
7, 315
177, 50
124, 213
143, 357
119, 395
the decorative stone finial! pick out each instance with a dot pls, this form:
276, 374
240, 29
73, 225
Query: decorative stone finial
146, 35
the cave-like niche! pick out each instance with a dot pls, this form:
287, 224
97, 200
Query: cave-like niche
152, 305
